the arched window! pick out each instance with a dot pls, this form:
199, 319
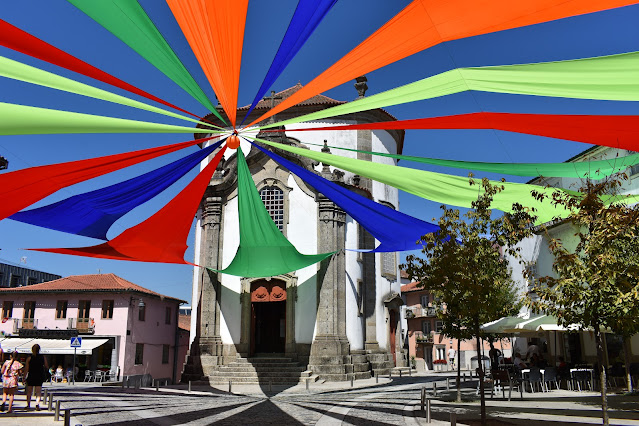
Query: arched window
273, 199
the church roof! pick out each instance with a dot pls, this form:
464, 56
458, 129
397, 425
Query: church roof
284, 94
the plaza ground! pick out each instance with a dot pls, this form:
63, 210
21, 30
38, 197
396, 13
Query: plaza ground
393, 401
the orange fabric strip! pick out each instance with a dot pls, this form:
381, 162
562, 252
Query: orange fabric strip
215, 32
425, 23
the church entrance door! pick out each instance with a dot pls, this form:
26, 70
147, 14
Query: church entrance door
393, 335
268, 317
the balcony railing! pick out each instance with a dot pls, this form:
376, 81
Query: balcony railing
27, 323
418, 312
83, 325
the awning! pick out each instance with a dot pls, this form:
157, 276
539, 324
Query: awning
50, 346
500, 325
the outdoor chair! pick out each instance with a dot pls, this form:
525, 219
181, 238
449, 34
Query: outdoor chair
502, 379
88, 376
551, 376
99, 376
112, 374
534, 377
581, 377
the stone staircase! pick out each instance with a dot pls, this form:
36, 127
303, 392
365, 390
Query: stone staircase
274, 369
381, 363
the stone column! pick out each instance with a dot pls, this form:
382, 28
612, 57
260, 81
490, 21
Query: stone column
365, 143
330, 348
367, 241
210, 342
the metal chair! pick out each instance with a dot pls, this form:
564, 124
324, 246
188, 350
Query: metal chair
502, 379
551, 376
88, 376
534, 376
99, 376
580, 377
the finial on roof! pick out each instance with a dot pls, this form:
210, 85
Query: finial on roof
361, 86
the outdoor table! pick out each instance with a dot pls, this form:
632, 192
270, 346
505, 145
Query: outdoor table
590, 370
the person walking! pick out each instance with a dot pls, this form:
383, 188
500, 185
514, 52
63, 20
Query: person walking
34, 372
10, 370
451, 356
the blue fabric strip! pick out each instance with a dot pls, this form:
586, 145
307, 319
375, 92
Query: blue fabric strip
395, 231
92, 213
307, 16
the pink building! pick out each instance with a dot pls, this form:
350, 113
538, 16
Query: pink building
126, 329
426, 344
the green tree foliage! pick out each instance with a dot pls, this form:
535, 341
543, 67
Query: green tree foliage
463, 265
596, 284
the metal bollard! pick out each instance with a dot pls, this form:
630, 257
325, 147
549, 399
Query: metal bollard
307, 383
157, 385
230, 386
453, 419
46, 395
435, 388
464, 377
50, 406
270, 385
376, 377
428, 420
189, 386
67, 417
410, 372
423, 397
352, 379
57, 411
400, 374
447, 383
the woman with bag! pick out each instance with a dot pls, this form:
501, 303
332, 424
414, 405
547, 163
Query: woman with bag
35, 372
10, 371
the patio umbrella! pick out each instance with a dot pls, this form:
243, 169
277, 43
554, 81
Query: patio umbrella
501, 325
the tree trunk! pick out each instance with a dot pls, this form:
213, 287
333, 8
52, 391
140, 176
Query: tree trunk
480, 370
459, 373
626, 359
602, 375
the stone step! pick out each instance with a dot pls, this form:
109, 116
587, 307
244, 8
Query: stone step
262, 368
262, 364
256, 381
264, 360
269, 374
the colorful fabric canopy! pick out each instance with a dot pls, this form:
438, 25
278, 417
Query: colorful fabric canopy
19, 71
128, 21
21, 188
215, 32
394, 230
27, 120
438, 187
307, 16
143, 242
21, 41
616, 131
605, 78
596, 169
425, 23
263, 250
92, 213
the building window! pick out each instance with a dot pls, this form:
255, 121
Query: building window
142, 311
426, 327
139, 352
29, 310
273, 199
389, 265
2, 279
84, 307
61, 309
7, 309
438, 326
167, 315
15, 281
165, 354
31, 281
107, 309
424, 300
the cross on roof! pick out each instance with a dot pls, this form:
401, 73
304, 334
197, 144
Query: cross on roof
272, 98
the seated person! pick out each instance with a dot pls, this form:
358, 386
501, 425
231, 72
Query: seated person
59, 373
519, 364
562, 368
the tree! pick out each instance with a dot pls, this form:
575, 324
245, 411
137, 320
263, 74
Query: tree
464, 266
597, 282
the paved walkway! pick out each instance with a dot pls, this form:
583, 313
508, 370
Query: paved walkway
388, 402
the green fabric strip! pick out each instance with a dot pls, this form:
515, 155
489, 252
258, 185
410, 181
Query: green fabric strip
128, 21
438, 187
26, 120
597, 169
263, 250
19, 71
604, 78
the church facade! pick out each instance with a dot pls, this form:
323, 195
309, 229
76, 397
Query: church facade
339, 318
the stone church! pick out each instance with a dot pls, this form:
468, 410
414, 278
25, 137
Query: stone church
336, 320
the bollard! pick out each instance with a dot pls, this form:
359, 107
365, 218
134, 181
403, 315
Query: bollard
447, 383
189, 386
400, 374
435, 388
50, 406
127, 382
307, 384
270, 385
423, 397
57, 411
157, 385
352, 379
230, 387
428, 411
410, 372
453, 419
464, 377
46, 395
376, 377
67, 417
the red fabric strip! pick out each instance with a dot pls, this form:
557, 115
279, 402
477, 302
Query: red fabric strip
21, 188
162, 237
21, 41
616, 131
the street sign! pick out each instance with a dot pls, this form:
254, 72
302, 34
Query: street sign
76, 342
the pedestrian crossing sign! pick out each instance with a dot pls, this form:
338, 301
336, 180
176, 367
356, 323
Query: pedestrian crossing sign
76, 342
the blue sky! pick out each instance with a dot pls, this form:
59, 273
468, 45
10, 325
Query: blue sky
349, 23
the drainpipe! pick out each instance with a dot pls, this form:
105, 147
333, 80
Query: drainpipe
176, 348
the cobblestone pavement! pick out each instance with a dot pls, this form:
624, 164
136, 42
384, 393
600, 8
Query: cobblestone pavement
388, 402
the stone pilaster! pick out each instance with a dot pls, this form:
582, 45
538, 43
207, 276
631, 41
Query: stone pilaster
367, 241
330, 349
365, 143
210, 342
